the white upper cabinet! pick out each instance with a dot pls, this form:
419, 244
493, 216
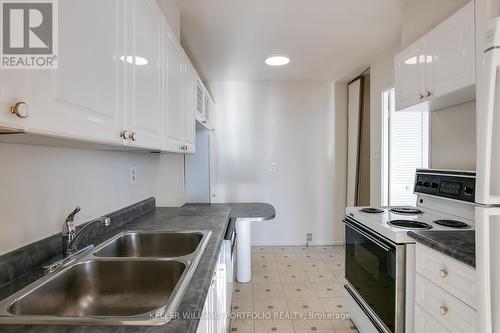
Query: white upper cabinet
409, 75
12, 91
180, 127
189, 107
144, 63
206, 108
123, 80
82, 98
437, 71
452, 51
200, 99
174, 120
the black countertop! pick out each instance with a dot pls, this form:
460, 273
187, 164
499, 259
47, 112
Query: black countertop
255, 211
213, 217
459, 245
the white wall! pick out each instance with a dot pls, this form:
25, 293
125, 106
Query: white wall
453, 137
171, 11
421, 16
290, 124
339, 153
41, 185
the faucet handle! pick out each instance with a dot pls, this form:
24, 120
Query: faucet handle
71, 216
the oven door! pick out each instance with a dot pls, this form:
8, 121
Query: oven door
375, 271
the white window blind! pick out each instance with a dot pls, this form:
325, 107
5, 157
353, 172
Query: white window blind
408, 151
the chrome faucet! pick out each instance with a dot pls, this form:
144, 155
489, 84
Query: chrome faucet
70, 237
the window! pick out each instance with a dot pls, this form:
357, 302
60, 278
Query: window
405, 149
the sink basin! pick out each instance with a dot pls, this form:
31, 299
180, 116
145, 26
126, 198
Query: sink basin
148, 244
136, 278
103, 288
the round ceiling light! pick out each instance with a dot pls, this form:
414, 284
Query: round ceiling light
277, 60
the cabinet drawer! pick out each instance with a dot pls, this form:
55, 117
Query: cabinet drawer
446, 310
453, 276
425, 323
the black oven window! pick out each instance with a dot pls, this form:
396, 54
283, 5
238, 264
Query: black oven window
371, 270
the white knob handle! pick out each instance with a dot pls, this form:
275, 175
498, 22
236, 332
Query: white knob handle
444, 310
443, 273
124, 134
20, 109
131, 136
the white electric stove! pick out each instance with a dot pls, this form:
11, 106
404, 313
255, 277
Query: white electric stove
380, 255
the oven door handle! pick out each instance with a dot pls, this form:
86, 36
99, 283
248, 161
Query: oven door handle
367, 235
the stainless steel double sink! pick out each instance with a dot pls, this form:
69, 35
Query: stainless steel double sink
134, 278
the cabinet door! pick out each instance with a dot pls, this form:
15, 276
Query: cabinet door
83, 97
12, 91
175, 125
206, 109
199, 102
189, 108
144, 64
451, 53
221, 298
409, 75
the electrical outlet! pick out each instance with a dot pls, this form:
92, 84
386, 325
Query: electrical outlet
273, 167
133, 175
309, 237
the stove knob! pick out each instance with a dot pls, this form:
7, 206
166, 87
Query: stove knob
468, 191
443, 273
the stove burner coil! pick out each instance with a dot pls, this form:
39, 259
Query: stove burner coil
452, 223
406, 210
410, 225
372, 210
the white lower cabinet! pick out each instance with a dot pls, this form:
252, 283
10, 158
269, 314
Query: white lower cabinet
446, 309
445, 292
453, 276
426, 323
214, 318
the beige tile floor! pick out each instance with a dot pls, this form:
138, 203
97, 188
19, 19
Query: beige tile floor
293, 289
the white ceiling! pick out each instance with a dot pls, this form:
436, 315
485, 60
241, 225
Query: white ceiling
325, 39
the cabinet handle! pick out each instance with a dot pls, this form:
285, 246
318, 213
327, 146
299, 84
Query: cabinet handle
124, 134
421, 97
443, 273
131, 136
428, 93
20, 109
443, 310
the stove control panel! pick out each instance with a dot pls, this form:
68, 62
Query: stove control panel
458, 185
